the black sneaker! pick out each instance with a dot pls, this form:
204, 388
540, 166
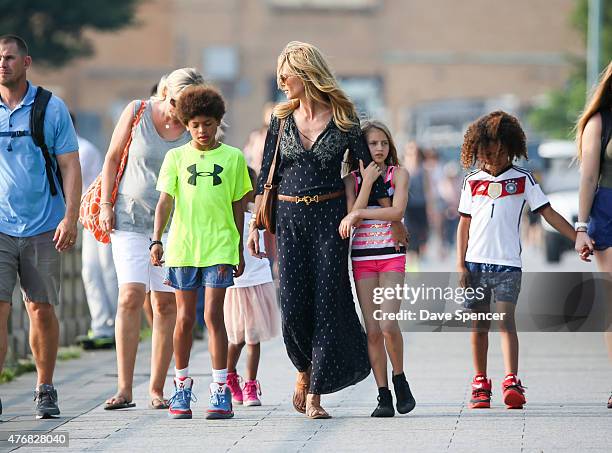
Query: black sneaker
385, 404
90, 342
405, 400
609, 404
46, 401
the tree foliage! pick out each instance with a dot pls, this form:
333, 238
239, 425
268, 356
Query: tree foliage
556, 117
54, 29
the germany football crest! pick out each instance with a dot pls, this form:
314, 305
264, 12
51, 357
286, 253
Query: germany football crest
511, 187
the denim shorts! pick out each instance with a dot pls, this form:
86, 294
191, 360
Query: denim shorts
501, 282
192, 278
600, 219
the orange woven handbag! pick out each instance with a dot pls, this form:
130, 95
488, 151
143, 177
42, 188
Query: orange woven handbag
89, 211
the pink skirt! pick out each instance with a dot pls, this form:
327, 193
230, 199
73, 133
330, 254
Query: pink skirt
251, 314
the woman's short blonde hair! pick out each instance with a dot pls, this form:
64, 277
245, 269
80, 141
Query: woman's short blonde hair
172, 84
308, 63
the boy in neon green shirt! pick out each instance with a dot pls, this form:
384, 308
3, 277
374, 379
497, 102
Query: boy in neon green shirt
204, 181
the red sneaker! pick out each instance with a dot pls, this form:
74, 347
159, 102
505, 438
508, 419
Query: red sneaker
233, 382
514, 392
481, 392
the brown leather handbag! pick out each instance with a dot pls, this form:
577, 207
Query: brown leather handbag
265, 219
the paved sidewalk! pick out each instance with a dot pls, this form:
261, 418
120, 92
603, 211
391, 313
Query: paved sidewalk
567, 374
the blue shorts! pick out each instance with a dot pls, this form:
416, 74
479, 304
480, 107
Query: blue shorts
502, 282
600, 219
192, 278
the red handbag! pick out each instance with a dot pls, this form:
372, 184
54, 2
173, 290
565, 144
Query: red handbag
89, 211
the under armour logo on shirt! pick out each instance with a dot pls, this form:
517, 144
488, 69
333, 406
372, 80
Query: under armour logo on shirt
217, 169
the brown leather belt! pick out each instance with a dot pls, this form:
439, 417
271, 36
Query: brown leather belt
312, 198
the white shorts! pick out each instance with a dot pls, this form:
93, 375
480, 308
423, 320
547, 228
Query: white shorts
133, 261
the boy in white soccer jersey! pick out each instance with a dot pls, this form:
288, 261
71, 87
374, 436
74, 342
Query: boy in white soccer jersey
488, 241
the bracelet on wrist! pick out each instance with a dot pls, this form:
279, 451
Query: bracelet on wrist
581, 226
102, 203
253, 225
155, 243
581, 230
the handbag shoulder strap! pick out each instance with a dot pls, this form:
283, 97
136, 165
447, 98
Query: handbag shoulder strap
138, 116
135, 121
126, 150
273, 166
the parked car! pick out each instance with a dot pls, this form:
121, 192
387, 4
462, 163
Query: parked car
560, 183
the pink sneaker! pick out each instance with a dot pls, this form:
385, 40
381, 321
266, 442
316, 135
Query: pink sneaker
233, 382
251, 392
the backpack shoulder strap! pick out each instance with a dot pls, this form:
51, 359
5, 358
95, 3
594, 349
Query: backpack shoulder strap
37, 130
37, 116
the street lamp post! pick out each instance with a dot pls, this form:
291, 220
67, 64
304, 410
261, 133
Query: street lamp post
594, 31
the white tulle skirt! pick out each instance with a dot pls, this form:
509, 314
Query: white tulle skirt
251, 314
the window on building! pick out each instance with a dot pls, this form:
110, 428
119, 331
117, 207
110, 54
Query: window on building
338, 5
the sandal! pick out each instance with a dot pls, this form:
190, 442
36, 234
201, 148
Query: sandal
302, 384
121, 402
315, 411
158, 403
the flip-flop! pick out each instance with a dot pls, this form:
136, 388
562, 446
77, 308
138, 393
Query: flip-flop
158, 403
122, 404
316, 412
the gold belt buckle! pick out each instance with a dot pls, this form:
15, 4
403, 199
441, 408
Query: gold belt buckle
308, 199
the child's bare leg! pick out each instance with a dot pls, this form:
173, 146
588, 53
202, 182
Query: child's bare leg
376, 343
185, 319
217, 335
233, 354
509, 337
480, 340
394, 342
253, 354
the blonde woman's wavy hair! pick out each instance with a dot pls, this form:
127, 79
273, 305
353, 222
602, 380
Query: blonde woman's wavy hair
172, 84
308, 63
600, 100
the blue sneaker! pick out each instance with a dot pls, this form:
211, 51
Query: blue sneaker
220, 402
181, 400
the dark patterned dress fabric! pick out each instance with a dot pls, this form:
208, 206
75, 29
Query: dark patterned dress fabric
320, 325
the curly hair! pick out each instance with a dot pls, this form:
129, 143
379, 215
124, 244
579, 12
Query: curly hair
494, 128
200, 100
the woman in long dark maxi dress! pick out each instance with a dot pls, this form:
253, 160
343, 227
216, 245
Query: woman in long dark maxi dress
322, 333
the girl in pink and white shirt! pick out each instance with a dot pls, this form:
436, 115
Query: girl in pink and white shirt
378, 262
